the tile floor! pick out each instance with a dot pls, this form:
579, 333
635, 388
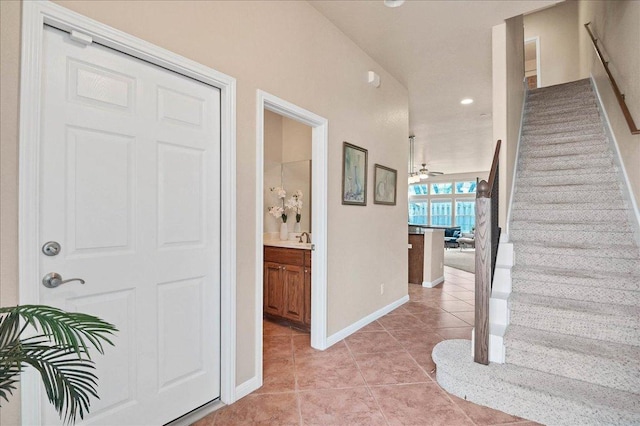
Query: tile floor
381, 375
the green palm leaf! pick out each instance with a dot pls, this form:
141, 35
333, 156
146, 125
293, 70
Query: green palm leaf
60, 353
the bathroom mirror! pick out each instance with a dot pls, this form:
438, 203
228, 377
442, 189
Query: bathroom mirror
296, 175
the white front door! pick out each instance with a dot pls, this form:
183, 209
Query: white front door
130, 188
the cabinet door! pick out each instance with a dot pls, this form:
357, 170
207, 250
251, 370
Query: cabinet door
293, 279
274, 291
307, 295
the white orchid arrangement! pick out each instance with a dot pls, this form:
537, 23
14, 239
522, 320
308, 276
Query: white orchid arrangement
294, 203
277, 211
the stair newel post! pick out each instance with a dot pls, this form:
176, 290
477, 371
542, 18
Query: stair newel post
483, 273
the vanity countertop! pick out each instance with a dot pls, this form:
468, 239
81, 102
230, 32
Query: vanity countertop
288, 244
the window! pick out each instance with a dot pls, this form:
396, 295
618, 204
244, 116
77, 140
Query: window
441, 188
466, 214
418, 213
418, 189
467, 187
441, 212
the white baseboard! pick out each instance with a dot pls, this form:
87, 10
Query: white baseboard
247, 387
431, 284
347, 331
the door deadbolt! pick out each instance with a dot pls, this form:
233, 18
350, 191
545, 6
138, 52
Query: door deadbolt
51, 248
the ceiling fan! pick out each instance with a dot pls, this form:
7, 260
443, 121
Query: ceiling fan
423, 173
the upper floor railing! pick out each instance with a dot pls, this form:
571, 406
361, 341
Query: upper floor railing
616, 89
487, 238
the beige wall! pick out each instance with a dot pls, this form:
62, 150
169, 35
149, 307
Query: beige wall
433, 255
287, 49
508, 98
296, 141
558, 32
9, 78
616, 24
272, 166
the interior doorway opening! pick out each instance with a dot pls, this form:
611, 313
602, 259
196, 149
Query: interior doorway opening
532, 62
300, 121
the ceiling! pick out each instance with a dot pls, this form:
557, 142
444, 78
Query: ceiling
441, 52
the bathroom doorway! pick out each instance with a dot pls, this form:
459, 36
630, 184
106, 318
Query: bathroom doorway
291, 155
532, 62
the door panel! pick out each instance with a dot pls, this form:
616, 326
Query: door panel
273, 289
293, 278
129, 164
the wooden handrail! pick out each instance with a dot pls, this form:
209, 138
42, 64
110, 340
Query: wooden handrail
616, 89
487, 236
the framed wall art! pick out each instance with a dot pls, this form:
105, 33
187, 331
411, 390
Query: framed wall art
354, 175
385, 184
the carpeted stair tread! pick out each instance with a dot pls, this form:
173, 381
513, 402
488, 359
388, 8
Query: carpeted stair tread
527, 174
579, 237
572, 148
578, 127
583, 84
595, 320
589, 263
570, 225
571, 248
568, 205
534, 395
578, 159
614, 216
577, 100
559, 276
569, 197
577, 292
577, 162
571, 173
589, 360
568, 116
559, 139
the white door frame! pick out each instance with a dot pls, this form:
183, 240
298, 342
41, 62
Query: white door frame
538, 73
319, 153
34, 15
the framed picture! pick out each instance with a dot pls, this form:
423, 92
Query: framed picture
354, 175
385, 185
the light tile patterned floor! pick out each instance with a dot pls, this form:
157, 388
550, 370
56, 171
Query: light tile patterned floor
381, 375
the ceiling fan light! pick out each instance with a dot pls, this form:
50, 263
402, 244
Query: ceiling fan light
424, 175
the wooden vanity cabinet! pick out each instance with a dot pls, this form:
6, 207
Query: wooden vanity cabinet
287, 285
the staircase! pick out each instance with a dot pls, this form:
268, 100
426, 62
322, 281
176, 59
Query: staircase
573, 342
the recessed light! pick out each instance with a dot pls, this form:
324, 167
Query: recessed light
393, 3
466, 101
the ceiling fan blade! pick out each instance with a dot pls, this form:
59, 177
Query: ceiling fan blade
435, 173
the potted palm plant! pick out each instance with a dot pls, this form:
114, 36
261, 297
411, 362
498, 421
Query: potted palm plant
57, 344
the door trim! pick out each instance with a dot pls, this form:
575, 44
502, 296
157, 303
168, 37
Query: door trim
319, 155
35, 14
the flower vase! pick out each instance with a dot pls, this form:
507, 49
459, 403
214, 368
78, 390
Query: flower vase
296, 227
284, 231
